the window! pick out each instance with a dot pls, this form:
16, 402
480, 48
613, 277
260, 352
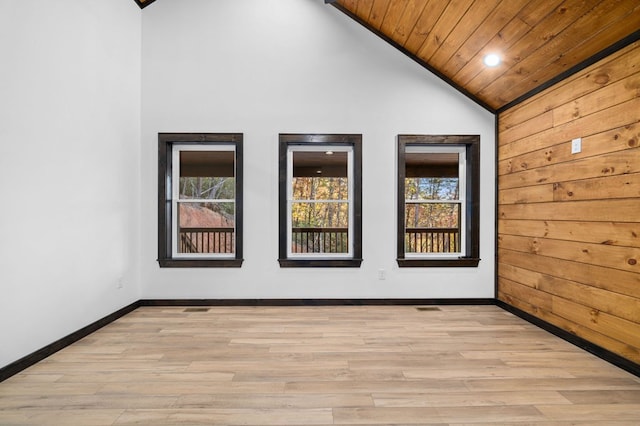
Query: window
320, 197
438, 200
200, 200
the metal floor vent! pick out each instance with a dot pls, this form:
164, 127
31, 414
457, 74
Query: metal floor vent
196, 310
428, 308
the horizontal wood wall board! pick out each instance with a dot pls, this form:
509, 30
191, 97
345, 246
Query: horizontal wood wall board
611, 326
617, 66
615, 304
624, 210
539, 299
625, 234
623, 356
614, 280
618, 139
611, 118
536, 124
589, 334
609, 187
530, 194
614, 94
615, 163
623, 258
569, 224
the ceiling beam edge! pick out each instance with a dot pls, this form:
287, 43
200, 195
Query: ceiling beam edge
619, 45
419, 61
143, 3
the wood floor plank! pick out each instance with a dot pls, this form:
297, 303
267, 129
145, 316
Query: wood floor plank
321, 365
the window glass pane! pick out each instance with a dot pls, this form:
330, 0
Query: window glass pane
321, 215
320, 188
432, 228
320, 228
432, 188
319, 164
206, 227
207, 175
432, 215
432, 176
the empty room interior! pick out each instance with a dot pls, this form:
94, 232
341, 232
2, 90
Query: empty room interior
287, 212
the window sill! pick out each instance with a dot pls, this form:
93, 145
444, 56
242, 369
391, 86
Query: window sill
200, 263
320, 263
465, 262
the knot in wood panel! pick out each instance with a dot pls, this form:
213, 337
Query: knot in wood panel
601, 78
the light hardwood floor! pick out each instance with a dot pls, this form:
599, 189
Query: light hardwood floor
456, 365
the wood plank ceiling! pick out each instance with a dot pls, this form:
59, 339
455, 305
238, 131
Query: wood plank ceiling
539, 41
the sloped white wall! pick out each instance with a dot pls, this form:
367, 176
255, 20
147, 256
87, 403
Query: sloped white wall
264, 67
69, 167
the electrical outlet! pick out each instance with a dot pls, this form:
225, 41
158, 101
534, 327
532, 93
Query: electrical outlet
576, 145
120, 283
382, 274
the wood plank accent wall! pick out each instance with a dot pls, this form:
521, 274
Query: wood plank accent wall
569, 224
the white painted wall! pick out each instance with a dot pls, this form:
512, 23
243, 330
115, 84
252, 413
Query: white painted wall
264, 67
69, 167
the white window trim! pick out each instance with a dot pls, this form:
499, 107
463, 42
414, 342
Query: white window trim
175, 200
461, 200
350, 188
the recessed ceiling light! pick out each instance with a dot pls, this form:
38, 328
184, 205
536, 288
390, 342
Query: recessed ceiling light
491, 60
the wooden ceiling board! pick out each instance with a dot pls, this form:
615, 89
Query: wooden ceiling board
410, 16
536, 10
429, 16
377, 13
575, 51
392, 17
540, 41
463, 32
500, 42
546, 62
441, 30
540, 34
363, 8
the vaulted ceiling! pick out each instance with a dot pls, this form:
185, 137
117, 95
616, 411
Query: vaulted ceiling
539, 41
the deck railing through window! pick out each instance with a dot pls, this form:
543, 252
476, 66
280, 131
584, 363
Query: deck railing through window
320, 240
207, 240
432, 240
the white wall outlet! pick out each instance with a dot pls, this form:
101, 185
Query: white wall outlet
120, 283
382, 274
576, 145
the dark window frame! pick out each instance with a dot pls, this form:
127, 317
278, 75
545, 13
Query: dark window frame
166, 142
287, 139
472, 204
